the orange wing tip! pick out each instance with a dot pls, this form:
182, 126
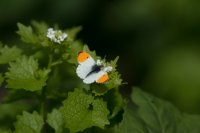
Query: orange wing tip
103, 79
82, 56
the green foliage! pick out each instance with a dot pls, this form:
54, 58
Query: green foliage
5, 131
80, 111
151, 114
8, 112
115, 77
9, 54
26, 33
1, 79
25, 74
115, 102
73, 50
43, 75
175, 76
55, 120
73, 32
29, 123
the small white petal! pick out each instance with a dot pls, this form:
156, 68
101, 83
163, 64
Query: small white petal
56, 35
99, 63
108, 69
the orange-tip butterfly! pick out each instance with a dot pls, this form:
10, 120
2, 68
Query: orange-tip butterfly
91, 71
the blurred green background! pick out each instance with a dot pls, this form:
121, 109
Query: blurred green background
158, 41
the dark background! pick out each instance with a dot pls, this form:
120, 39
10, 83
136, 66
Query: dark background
158, 41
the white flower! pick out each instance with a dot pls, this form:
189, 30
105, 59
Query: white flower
108, 69
56, 36
99, 63
105, 68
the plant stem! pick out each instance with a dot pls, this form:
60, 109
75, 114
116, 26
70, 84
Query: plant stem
43, 110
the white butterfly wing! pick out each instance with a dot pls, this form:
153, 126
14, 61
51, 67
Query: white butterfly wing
85, 68
90, 79
93, 77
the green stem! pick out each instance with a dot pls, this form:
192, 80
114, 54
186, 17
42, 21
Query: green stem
50, 61
43, 103
56, 63
43, 110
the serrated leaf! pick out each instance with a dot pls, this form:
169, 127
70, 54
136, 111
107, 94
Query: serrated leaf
73, 51
114, 80
80, 111
72, 33
25, 74
114, 77
153, 115
92, 53
26, 34
40, 27
9, 54
29, 123
55, 120
41, 30
113, 63
1, 79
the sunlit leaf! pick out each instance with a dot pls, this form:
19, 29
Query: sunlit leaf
81, 111
25, 74
29, 123
8, 54
55, 120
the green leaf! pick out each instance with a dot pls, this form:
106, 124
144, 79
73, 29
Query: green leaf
81, 111
55, 120
72, 33
131, 123
92, 53
114, 80
41, 30
12, 109
113, 63
40, 27
2, 130
29, 123
1, 79
159, 115
53, 84
73, 51
8, 112
153, 115
9, 54
115, 102
26, 34
189, 124
25, 74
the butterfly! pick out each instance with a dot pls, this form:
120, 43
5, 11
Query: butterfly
91, 71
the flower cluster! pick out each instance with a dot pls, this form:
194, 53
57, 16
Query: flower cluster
106, 68
56, 36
